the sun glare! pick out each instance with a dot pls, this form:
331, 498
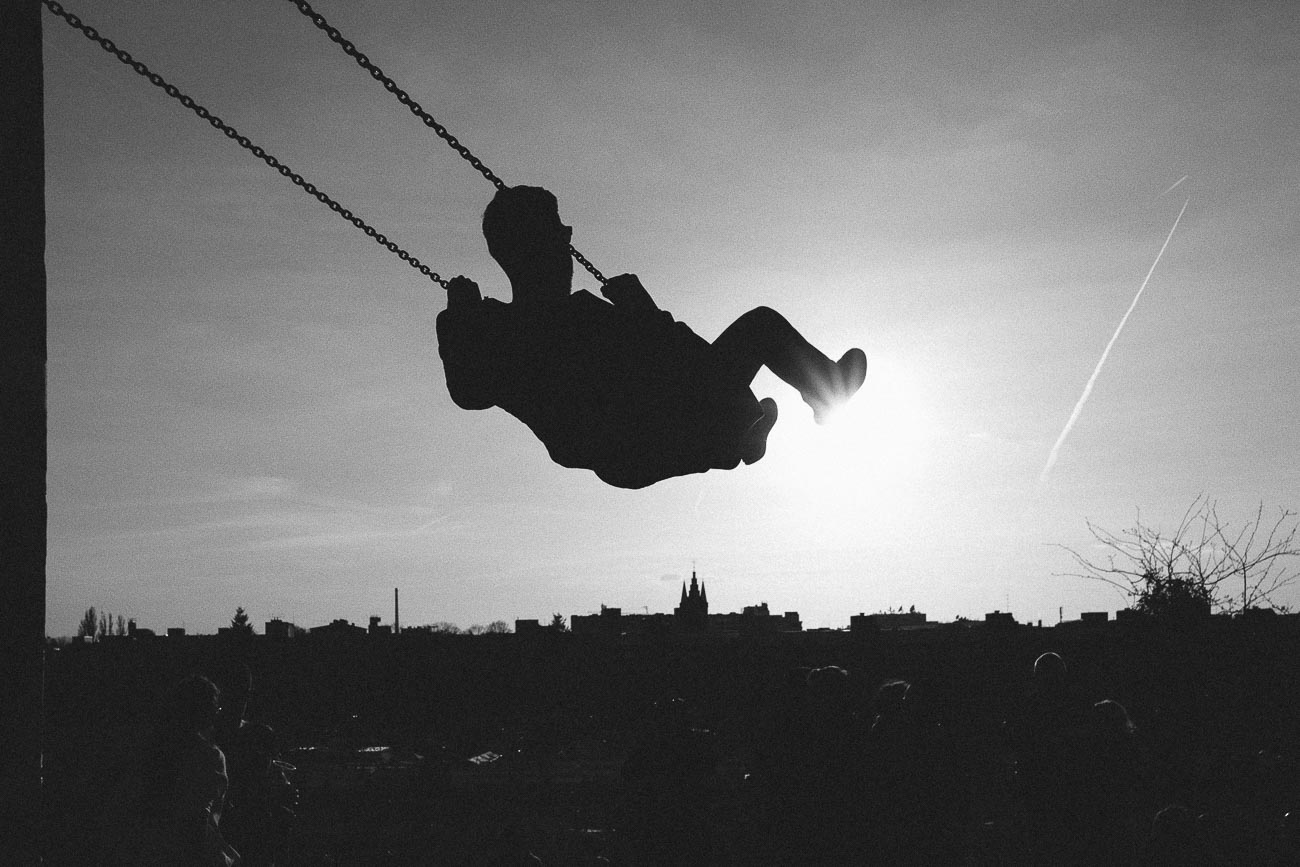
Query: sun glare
866, 464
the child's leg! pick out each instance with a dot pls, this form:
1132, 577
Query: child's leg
763, 337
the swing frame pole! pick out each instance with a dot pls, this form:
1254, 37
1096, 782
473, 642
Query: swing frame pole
24, 458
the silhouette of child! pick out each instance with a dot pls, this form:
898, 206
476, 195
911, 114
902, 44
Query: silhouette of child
618, 387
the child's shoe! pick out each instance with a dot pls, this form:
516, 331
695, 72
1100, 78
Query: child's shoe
754, 443
844, 381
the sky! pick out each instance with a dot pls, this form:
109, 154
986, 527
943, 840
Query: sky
246, 404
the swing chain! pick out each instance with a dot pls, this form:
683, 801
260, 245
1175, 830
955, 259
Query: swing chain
392, 87
405, 99
582, 260
242, 140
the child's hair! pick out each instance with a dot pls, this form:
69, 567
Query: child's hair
517, 213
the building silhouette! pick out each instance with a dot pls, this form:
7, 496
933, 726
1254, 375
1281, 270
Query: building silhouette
138, 632
890, 621
281, 629
338, 628
690, 617
756, 620
612, 623
692, 613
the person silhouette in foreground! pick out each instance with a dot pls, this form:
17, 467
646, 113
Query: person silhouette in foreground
618, 387
183, 785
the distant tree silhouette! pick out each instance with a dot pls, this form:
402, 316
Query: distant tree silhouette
476, 629
121, 625
1204, 564
240, 623
88, 624
497, 627
557, 623
1173, 597
442, 627
104, 621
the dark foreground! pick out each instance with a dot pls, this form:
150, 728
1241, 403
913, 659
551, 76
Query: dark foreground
700, 750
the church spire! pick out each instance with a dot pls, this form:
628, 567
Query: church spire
692, 615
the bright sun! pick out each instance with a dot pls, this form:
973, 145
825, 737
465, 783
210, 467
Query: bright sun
867, 463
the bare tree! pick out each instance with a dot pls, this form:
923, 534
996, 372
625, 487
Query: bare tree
1205, 562
498, 627
476, 629
121, 625
557, 623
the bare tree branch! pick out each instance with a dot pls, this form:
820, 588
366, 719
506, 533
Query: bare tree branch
1202, 563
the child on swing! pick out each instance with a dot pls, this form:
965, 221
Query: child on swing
618, 387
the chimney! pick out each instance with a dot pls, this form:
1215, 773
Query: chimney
397, 622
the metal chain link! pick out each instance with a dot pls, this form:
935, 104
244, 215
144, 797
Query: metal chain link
391, 86
405, 99
243, 141
582, 260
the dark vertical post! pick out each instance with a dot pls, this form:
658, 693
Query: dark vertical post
22, 446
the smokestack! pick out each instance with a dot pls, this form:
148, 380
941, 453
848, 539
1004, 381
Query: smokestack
397, 622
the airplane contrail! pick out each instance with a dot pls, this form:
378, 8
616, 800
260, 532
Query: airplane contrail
1087, 389
1173, 187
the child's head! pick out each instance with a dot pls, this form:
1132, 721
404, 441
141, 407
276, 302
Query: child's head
524, 234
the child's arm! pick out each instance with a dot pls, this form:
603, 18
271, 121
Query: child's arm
466, 346
462, 292
635, 304
628, 295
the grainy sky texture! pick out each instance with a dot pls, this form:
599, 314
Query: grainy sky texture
246, 402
